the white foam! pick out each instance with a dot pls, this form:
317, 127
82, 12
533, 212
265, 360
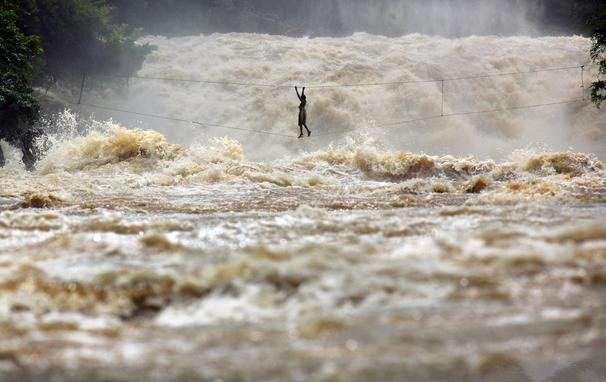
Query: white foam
364, 58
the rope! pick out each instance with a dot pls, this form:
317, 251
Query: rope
386, 125
513, 73
329, 86
244, 84
391, 125
492, 110
207, 124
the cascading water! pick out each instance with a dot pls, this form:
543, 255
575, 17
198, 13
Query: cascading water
353, 110
465, 247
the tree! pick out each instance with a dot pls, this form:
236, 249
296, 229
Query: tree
18, 106
79, 36
55, 40
598, 55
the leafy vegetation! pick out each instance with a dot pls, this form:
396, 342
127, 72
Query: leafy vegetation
18, 106
55, 40
79, 36
598, 55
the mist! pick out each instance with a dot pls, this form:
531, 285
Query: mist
350, 42
360, 111
441, 218
330, 18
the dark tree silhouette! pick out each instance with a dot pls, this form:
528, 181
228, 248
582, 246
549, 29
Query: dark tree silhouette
598, 55
18, 107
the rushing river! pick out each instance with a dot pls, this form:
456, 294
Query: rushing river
467, 248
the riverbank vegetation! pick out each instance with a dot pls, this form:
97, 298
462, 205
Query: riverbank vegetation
50, 41
598, 55
19, 54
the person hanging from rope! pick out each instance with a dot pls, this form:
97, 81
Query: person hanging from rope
302, 112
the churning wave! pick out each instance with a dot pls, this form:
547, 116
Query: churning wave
353, 110
354, 166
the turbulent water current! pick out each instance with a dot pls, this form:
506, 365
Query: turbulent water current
469, 247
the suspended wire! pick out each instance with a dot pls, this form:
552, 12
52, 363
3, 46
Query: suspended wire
339, 132
386, 125
333, 86
444, 79
490, 111
514, 73
244, 84
392, 125
207, 124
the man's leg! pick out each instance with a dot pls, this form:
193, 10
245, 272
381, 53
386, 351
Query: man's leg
308, 131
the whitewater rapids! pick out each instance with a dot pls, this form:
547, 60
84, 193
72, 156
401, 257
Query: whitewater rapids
469, 249
343, 111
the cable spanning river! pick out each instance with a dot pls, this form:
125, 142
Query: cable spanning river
469, 248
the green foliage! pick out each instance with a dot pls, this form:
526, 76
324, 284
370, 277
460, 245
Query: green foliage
55, 40
79, 36
598, 55
18, 53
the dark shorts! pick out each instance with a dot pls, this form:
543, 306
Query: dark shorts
302, 117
